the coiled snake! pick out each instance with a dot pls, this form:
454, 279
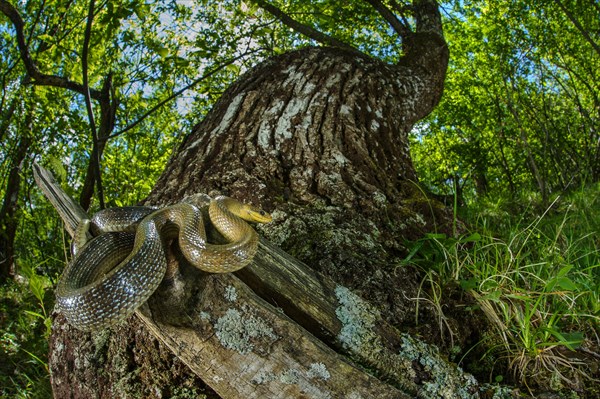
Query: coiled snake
117, 271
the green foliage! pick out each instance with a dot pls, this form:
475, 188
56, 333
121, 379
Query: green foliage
535, 277
24, 331
520, 111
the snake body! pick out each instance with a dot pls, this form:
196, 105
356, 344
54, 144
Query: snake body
117, 271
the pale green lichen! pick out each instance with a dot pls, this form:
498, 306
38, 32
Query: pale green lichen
230, 293
357, 334
324, 225
318, 370
263, 377
379, 198
204, 316
237, 331
498, 392
419, 219
289, 377
100, 341
357, 317
301, 378
292, 376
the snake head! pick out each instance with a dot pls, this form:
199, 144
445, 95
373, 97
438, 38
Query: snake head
248, 212
254, 214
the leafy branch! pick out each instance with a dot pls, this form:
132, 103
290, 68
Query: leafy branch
303, 29
400, 27
31, 67
179, 92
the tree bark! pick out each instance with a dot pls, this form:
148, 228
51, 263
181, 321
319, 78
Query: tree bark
318, 137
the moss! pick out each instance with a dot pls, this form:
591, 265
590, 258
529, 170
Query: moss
241, 332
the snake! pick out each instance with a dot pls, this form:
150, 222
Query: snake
115, 272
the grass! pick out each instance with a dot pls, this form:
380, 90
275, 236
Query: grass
535, 274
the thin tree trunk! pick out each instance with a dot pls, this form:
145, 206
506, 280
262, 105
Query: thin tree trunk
8, 219
531, 162
108, 105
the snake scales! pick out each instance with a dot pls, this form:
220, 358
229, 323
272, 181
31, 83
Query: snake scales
117, 271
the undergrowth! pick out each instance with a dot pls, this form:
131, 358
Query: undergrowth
24, 332
534, 273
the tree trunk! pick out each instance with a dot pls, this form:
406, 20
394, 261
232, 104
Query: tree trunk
108, 106
318, 137
8, 218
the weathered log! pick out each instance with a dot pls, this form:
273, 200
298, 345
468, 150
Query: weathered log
69, 211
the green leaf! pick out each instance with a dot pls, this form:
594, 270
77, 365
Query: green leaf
46, 38
475, 237
571, 340
567, 284
436, 236
469, 284
563, 271
57, 168
35, 314
162, 51
493, 296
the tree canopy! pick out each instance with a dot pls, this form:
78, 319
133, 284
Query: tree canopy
520, 111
